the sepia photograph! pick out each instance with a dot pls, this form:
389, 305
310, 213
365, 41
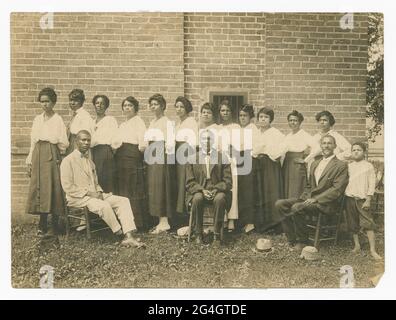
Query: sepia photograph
197, 149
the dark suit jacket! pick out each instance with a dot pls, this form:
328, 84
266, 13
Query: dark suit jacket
331, 185
220, 175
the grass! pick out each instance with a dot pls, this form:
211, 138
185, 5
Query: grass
170, 262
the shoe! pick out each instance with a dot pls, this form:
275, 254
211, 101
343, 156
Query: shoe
248, 229
158, 231
132, 242
81, 228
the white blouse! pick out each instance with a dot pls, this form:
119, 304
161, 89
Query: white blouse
229, 135
342, 151
104, 131
298, 142
269, 142
52, 130
81, 121
246, 136
131, 131
187, 131
162, 129
361, 179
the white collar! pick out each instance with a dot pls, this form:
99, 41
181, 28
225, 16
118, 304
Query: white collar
79, 110
328, 159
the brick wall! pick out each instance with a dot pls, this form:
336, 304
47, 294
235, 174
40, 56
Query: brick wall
114, 54
312, 64
224, 52
291, 61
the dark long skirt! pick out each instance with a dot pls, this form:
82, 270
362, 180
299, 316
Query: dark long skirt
131, 182
294, 175
45, 189
103, 157
161, 182
247, 193
72, 143
270, 188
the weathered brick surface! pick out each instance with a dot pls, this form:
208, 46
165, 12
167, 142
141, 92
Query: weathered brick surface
117, 54
290, 61
312, 64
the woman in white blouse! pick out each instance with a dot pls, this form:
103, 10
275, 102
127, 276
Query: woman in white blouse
207, 120
129, 145
48, 142
326, 121
186, 141
102, 153
297, 145
247, 182
159, 156
268, 148
226, 144
81, 119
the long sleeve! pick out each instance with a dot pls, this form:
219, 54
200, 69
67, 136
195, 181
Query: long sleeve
104, 131
63, 140
371, 181
187, 131
116, 140
82, 121
192, 186
67, 181
275, 144
226, 184
33, 140
344, 147
340, 183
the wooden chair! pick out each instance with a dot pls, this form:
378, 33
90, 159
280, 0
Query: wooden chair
325, 226
92, 222
208, 220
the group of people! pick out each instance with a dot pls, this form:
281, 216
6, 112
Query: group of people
250, 172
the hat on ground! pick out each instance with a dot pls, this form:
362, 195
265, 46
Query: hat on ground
183, 231
309, 253
263, 244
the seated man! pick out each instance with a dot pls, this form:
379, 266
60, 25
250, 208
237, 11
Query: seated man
208, 180
80, 183
327, 183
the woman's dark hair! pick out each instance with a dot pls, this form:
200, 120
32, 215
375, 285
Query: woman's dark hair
248, 108
132, 100
105, 100
297, 114
328, 114
160, 99
77, 94
268, 111
50, 93
208, 106
186, 103
360, 144
224, 102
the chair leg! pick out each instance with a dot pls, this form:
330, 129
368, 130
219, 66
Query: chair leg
317, 232
87, 222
